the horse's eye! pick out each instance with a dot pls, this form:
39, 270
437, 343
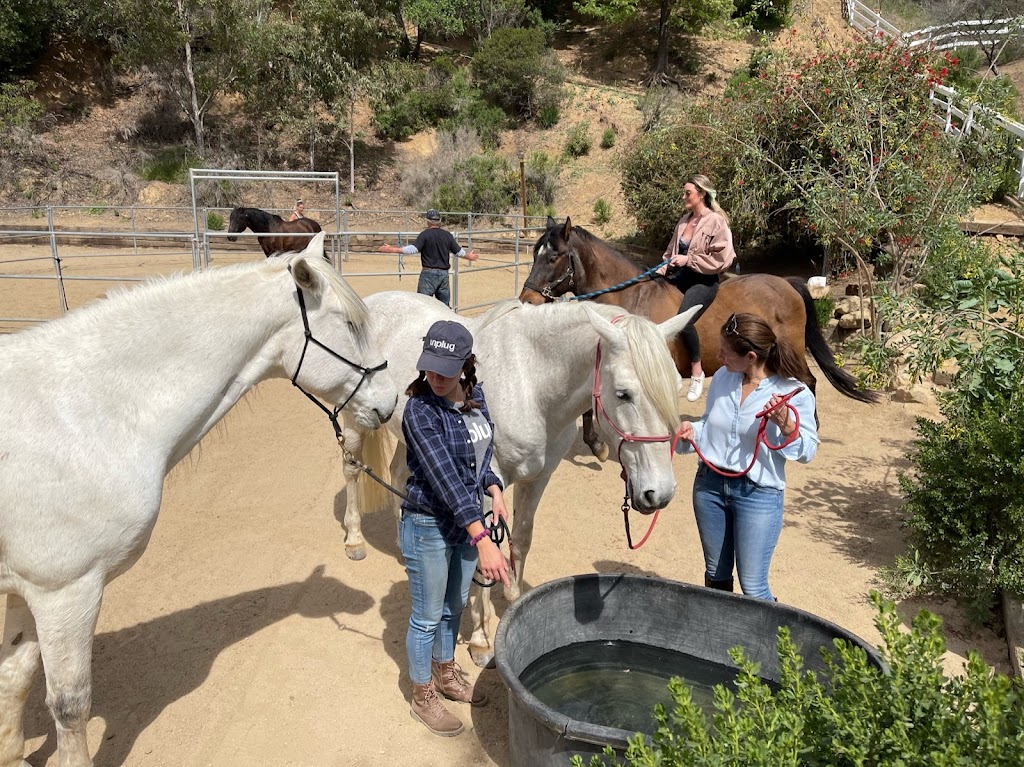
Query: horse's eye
624, 395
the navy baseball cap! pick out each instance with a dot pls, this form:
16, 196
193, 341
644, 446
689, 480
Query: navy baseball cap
433, 215
446, 346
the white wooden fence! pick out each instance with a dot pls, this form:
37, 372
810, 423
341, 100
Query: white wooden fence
957, 114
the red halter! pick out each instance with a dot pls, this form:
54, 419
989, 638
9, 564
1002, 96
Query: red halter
761, 437
599, 410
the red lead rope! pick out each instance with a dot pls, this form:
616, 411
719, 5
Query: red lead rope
761, 438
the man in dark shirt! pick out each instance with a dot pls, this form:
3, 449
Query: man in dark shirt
434, 245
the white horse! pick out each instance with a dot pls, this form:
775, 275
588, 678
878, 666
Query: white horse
537, 365
99, 405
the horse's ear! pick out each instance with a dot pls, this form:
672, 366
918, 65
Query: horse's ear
611, 334
551, 224
315, 248
568, 228
304, 275
672, 327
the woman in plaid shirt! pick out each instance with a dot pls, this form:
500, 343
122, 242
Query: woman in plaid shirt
449, 438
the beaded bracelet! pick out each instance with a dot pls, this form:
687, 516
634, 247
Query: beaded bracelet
479, 537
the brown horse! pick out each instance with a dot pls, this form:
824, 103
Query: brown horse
285, 240
571, 259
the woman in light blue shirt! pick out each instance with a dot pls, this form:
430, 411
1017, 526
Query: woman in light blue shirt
739, 518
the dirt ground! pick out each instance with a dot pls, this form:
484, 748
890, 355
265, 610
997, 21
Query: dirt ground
244, 636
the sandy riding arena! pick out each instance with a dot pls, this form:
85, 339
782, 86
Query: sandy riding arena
244, 636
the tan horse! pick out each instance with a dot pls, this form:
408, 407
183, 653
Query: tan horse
571, 259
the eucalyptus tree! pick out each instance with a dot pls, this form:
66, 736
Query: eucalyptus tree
688, 16
197, 47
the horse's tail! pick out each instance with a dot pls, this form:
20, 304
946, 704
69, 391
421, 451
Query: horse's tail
814, 341
377, 448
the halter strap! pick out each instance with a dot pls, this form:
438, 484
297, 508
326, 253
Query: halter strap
365, 371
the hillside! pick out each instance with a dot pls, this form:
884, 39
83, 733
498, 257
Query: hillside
92, 155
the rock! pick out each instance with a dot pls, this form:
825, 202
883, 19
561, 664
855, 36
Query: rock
853, 320
853, 289
818, 292
944, 375
159, 193
916, 393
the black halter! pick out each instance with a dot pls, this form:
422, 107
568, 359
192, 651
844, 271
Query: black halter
331, 414
570, 274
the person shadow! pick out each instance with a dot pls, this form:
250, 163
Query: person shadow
141, 670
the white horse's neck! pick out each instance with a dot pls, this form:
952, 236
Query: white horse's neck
174, 359
557, 345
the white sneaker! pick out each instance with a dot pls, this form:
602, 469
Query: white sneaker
696, 388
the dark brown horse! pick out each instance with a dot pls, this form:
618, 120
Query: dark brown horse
285, 239
571, 259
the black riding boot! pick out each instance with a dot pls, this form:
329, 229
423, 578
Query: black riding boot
726, 585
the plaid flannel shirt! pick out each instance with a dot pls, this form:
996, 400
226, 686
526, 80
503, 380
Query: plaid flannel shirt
442, 462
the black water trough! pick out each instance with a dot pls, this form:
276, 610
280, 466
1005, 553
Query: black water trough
661, 613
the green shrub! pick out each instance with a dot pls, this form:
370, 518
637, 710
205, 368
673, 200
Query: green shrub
602, 212
515, 68
608, 137
541, 178
484, 183
168, 165
214, 221
549, 116
965, 500
18, 109
764, 15
577, 141
824, 308
854, 714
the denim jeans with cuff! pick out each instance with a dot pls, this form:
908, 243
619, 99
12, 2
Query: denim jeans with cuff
439, 577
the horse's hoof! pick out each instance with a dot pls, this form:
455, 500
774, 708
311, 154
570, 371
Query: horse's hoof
355, 552
600, 451
482, 656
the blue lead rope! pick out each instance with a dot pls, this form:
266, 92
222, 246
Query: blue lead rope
615, 288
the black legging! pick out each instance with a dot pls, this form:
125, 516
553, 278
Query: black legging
697, 289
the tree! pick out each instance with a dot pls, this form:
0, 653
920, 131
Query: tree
841, 149
994, 47
689, 16
198, 47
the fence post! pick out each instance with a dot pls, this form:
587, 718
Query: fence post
515, 269
135, 240
62, 298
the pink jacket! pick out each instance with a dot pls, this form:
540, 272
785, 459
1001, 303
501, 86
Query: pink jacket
710, 250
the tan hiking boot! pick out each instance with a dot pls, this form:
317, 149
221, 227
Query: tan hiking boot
427, 708
449, 680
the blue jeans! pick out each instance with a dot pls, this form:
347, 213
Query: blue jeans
434, 282
739, 522
439, 578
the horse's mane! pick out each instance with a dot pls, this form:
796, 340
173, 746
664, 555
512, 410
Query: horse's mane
122, 300
259, 219
593, 241
648, 350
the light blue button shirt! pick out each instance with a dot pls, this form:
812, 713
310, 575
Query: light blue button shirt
727, 431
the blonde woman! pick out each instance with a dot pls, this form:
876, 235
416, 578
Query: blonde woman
700, 250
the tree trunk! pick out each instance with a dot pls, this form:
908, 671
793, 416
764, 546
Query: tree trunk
352, 146
404, 45
660, 75
195, 113
419, 42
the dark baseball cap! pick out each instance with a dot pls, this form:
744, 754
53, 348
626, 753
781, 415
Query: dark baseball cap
446, 346
433, 215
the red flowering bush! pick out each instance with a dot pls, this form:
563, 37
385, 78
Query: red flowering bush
842, 149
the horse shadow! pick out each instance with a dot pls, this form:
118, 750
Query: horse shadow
141, 670
858, 517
